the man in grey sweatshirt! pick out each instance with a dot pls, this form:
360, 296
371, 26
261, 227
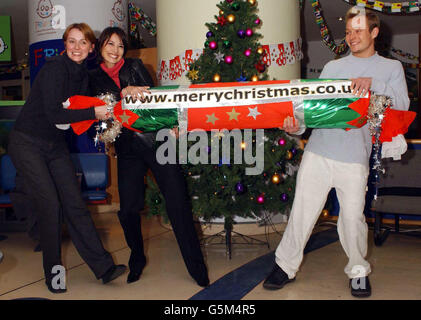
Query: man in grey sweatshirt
335, 158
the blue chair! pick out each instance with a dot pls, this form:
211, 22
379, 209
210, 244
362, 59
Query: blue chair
7, 184
94, 170
7, 180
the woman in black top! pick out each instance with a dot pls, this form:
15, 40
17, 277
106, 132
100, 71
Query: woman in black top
39, 152
136, 154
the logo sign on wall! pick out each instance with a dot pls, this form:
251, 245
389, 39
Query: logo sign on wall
5, 47
39, 51
48, 20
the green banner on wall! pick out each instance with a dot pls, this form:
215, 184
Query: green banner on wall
5, 39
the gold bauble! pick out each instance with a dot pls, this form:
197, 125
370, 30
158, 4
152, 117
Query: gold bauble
289, 155
252, 2
276, 179
231, 18
254, 78
221, 12
260, 50
216, 78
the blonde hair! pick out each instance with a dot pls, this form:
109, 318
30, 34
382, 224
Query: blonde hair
82, 27
372, 18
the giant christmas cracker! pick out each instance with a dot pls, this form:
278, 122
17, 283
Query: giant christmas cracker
250, 105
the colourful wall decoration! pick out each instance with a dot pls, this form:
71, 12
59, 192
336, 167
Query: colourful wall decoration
5, 39
389, 7
279, 55
137, 15
328, 40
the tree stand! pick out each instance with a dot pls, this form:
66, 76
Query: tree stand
226, 236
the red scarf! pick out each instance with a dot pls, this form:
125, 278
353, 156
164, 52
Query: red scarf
114, 71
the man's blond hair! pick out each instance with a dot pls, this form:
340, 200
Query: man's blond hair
372, 18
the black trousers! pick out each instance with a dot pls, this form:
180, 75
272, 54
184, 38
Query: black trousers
135, 154
50, 176
23, 206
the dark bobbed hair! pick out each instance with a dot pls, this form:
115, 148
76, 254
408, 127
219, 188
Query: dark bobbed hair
106, 35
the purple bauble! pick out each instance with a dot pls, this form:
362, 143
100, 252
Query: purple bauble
239, 187
281, 142
228, 59
257, 21
284, 197
229, 1
241, 33
247, 53
249, 32
213, 45
209, 34
294, 151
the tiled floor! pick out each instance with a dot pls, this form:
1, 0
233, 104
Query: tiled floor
396, 268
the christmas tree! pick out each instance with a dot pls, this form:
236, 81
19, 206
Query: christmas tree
232, 53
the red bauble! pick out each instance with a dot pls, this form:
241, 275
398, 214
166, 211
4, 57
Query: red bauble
260, 67
222, 20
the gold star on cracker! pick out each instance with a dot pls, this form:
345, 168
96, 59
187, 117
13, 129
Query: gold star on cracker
124, 118
233, 115
211, 118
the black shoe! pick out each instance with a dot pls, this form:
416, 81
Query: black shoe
50, 287
203, 281
114, 272
360, 287
200, 274
277, 279
133, 276
136, 270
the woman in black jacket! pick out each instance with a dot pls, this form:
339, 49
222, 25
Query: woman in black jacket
39, 152
136, 154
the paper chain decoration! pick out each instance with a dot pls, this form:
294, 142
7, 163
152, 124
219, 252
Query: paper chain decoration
137, 14
339, 49
388, 7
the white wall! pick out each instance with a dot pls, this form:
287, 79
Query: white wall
317, 54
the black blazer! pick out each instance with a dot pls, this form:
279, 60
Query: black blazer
132, 73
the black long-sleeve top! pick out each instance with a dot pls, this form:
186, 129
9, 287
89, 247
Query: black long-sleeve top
59, 79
